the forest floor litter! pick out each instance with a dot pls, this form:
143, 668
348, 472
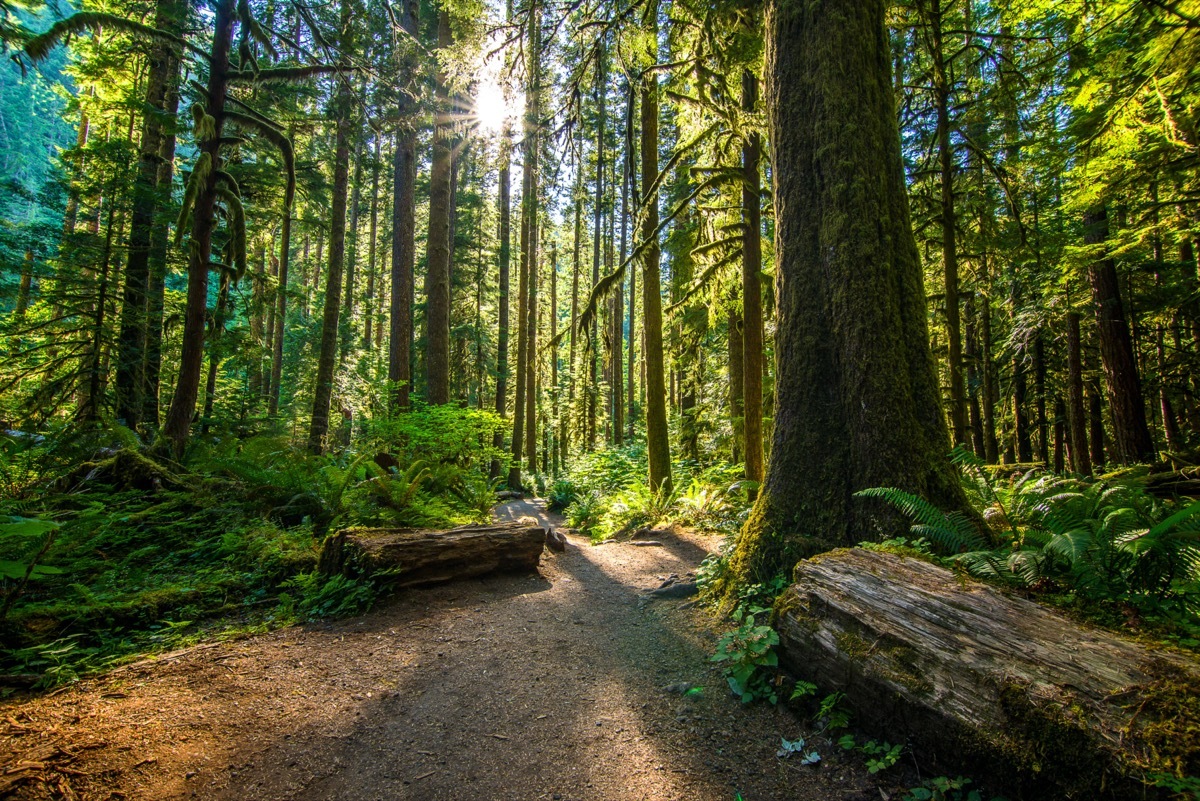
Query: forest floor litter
574, 684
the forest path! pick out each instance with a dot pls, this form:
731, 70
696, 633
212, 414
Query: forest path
550, 686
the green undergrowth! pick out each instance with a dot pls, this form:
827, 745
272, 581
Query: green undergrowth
605, 495
108, 552
1101, 549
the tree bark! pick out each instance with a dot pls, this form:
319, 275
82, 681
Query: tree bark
328, 357
941, 91
504, 200
857, 400
1131, 435
1022, 698
658, 447
1076, 413
187, 386
752, 323
404, 173
147, 196
433, 557
437, 303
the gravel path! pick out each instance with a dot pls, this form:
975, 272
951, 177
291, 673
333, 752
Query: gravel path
551, 686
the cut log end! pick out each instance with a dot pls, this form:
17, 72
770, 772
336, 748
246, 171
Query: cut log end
422, 557
1019, 696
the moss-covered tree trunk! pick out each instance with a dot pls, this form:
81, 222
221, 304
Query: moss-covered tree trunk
658, 447
857, 398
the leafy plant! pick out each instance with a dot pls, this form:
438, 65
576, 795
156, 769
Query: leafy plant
943, 788
561, 495
32, 538
329, 597
748, 650
1102, 541
789, 748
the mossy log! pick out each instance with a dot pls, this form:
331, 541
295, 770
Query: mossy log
431, 557
988, 685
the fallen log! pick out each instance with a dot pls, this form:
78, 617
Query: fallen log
988, 685
430, 557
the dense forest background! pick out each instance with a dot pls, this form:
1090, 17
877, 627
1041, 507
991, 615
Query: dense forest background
271, 268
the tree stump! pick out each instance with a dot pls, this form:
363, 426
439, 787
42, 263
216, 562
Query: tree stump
431, 557
988, 685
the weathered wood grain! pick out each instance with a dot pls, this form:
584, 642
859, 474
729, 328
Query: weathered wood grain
430, 557
980, 681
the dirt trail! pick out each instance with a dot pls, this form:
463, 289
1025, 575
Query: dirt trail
513, 687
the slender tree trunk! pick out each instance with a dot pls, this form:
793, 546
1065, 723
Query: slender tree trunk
369, 323
505, 258
736, 382
187, 387
991, 445
348, 319
597, 223
658, 448
1039, 400
941, 90
214, 353
131, 340
404, 170
1131, 435
159, 243
531, 322
327, 359
856, 390
437, 302
752, 323
1076, 412
576, 268
285, 250
93, 398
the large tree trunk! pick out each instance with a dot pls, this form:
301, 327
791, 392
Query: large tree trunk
658, 447
131, 340
191, 359
432, 557
856, 394
1131, 435
999, 687
328, 357
752, 324
437, 304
